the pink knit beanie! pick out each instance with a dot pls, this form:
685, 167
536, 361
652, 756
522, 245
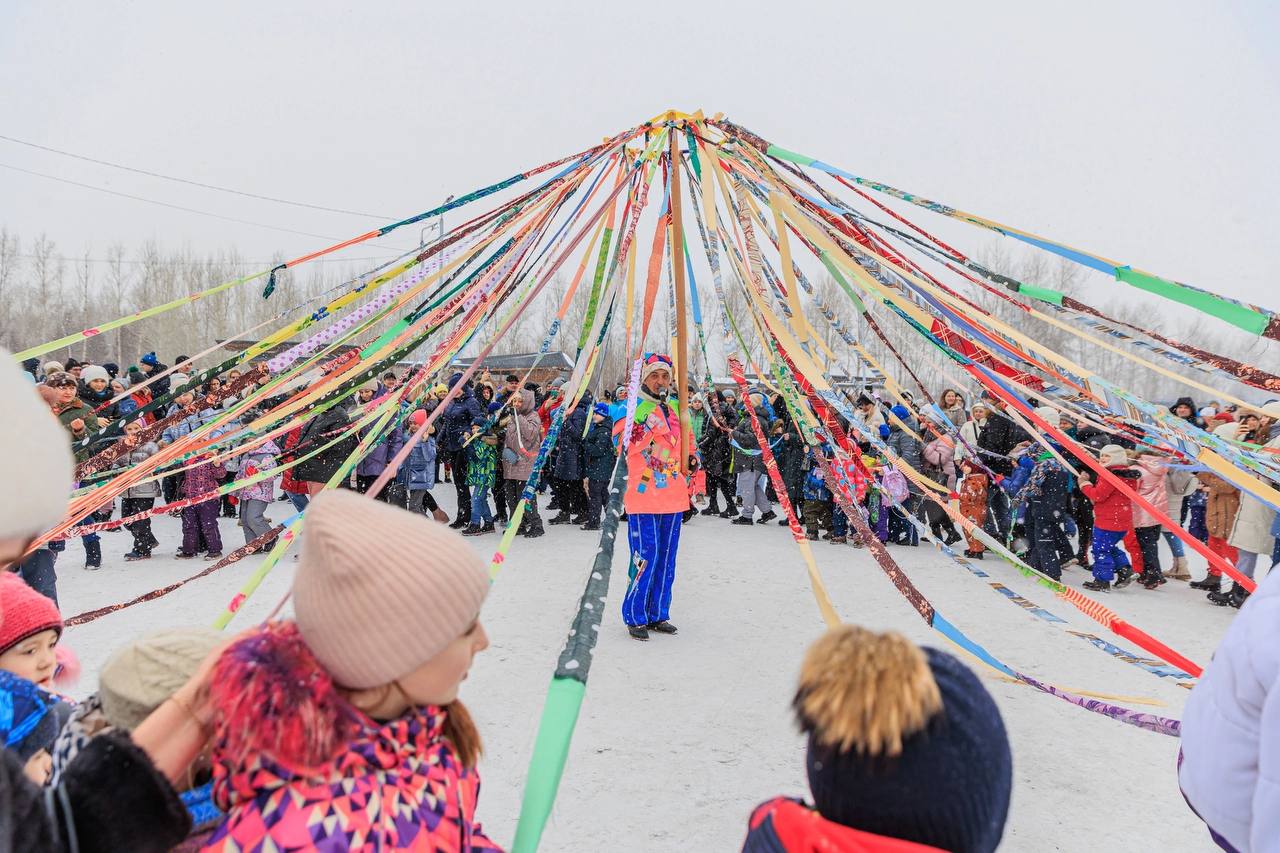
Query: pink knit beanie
381, 591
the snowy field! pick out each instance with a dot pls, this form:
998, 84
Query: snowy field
681, 736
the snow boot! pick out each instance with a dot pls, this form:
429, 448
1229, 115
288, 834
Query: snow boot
742, 519
440, 515
93, 555
688, 515
1097, 585
710, 510
590, 525
561, 518
1226, 598
213, 555
183, 555
811, 535
662, 627
782, 522
638, 632
1124, 577
1209, 583
473, 530
1179, 572
840, 540
729, 513
1238, 596
767, 517
134, 556
952, 538
1150, 580
534, 532
459, 523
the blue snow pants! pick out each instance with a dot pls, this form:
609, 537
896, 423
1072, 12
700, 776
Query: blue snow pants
654, 540
1107, 553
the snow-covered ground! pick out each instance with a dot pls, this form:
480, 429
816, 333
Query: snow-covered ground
681, 736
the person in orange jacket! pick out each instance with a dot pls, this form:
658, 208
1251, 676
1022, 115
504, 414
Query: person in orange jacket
656, 499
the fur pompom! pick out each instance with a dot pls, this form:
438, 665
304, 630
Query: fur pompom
67, 673
273, 697
866, 691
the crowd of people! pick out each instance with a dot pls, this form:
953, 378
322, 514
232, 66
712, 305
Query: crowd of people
341, 728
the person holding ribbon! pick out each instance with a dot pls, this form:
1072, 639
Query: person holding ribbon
656, 499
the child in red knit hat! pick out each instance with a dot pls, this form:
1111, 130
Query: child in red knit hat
30, 626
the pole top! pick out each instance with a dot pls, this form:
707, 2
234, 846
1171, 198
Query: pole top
677, 117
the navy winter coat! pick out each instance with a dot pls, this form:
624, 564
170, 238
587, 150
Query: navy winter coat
599, 449
456, 420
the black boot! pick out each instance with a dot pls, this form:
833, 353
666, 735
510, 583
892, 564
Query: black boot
562, 518
663, 627
1227, 597
590, 525
688, 514
1097, 585
460, 522
1209, 583
93, 555
638, 632
712, 509
1238, 596
729, 513
742, 519
767, 517
534, 532
1124, 577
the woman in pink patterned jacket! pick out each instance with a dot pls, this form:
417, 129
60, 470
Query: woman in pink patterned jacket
342, 730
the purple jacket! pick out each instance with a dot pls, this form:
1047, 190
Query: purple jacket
261, 458
375, 462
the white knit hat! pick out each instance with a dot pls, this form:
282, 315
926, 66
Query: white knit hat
37, 479
1113, 454
381, 591
1230, 430
52, 367
1048, 414
1271, 409
142, 675
177, 380
94, 371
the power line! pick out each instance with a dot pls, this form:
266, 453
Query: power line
256, 264
193, 183
180, 207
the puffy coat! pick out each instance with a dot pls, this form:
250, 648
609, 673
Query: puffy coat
98, 400
1151, 485
397, 785
939, 461
717, 455
998, 438
319, 431
1221, 506
455, 423
1252, 528
482, 460
792, 457
599, 451
261, 458
138, 455
202, 479
419, 469
1112, 509
1230, 767
288, 480
744, 436
571, 459
789, 826
522, 438
907, 447
381, 454
1178, 486
654, 481
185, 425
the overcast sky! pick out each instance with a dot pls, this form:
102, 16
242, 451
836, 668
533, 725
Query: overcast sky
1143, 131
